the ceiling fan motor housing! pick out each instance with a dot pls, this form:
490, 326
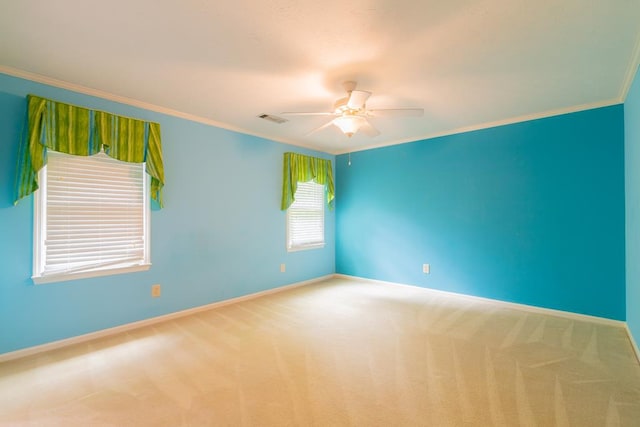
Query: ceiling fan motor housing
341, 107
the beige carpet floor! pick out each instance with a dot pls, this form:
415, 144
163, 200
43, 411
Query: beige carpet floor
336, 353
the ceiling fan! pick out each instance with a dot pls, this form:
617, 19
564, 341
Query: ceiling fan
351, 113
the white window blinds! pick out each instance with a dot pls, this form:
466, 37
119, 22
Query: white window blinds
305, 217
91, 218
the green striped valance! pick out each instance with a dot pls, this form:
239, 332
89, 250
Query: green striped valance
301, 168
84, 132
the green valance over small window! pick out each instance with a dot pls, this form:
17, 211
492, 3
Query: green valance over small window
80, 131
301, 168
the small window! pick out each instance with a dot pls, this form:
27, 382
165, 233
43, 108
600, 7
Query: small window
305, 218
91, 218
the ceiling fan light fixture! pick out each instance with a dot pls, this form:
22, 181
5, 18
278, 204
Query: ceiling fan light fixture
349, 124
351, 113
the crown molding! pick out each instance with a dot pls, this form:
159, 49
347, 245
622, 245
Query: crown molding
488, 125
631, 72
62, 84
38, 78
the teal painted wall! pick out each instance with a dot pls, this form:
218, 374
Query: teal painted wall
530, 213
221, 235
632, 192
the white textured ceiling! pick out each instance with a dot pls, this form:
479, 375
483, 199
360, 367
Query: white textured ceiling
469, 64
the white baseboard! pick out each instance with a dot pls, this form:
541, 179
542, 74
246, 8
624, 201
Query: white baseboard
139, 324
29, 351
524, 307
634, 345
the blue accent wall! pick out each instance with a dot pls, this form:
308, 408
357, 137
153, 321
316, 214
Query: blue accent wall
531, 213
221, 234
632, 190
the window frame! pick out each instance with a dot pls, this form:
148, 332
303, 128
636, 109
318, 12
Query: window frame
39, 235
306, 246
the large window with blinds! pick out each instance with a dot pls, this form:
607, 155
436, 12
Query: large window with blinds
91, 218
305, 217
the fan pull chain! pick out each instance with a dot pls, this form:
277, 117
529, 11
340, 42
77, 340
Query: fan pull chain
349, 163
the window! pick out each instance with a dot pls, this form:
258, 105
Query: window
305, 217
91, 218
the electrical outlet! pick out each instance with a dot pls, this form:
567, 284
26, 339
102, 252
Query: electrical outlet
283, 268
155, 290
426, 268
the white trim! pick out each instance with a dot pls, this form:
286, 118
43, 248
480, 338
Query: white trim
524, 307
40, 215
305, 247
631, 72
38, 78
318, 193
634, 345
29, 351
64, 277
488, 125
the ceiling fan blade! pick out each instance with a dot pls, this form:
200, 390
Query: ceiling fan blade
397, 112
368, 129
292, 113
357, 99
318, 129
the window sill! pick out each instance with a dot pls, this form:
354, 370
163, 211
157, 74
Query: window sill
305, 247
63, 277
